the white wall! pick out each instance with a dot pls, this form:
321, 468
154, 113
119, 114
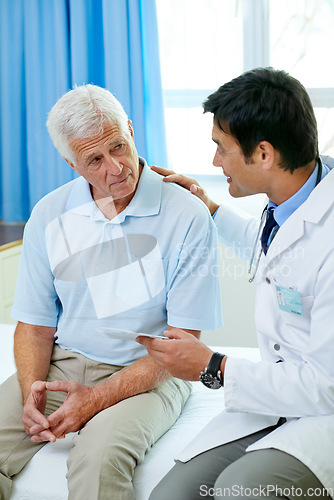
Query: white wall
238, 295
238, 298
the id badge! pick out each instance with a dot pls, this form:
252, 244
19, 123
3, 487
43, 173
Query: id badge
289, 300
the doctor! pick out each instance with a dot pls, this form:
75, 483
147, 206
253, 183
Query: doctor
276, 437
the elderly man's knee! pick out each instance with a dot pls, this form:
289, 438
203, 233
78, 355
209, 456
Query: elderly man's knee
98, 455
93, 470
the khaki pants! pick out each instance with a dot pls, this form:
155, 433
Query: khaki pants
108, 448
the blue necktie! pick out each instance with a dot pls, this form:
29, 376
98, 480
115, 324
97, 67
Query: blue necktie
268, 227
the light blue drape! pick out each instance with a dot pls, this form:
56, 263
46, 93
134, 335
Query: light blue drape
46, 48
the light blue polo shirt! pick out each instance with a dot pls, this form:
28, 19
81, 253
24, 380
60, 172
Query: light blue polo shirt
154, 264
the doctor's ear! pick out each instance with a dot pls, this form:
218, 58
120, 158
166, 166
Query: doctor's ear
265, 154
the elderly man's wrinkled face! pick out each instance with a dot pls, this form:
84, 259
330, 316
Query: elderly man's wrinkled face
109, 162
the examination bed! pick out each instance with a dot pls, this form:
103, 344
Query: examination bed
44, 476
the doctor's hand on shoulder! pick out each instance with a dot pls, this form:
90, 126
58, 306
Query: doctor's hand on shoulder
183, 355
188, 183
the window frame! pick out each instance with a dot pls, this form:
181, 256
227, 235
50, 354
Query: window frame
256, 53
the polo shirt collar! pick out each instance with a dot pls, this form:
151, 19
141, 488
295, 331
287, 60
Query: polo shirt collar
146, 201
80, 199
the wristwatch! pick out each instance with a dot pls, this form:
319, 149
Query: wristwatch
211, 376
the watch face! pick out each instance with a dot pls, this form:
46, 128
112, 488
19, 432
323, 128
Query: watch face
210, 381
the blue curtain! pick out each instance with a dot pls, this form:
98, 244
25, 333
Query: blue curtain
46, 48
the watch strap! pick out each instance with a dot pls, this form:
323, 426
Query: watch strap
215, 362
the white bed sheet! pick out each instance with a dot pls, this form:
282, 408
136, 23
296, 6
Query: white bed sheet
44, 476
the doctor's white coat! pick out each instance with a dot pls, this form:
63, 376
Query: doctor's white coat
301, 387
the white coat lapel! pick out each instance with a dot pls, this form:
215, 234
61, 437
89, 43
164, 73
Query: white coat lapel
290, 232
312, 210
320, 200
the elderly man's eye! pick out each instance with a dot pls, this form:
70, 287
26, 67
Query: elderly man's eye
94, 163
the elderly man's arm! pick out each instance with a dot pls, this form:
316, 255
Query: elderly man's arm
83, 402
33, 346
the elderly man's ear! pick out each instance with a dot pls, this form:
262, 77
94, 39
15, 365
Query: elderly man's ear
131, 129
70, 164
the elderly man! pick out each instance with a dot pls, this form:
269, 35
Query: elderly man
103, 255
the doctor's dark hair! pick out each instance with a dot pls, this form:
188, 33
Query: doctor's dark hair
267, 105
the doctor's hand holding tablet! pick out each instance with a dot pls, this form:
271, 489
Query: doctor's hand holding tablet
185, 358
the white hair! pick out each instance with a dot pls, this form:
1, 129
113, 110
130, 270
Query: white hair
83, 112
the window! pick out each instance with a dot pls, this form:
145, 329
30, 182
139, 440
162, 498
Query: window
301, 37
196, 57
204, 43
